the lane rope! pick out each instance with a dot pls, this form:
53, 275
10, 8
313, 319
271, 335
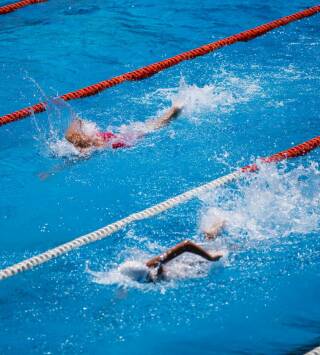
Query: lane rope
18, 5
106, 231
315, 351
154, 68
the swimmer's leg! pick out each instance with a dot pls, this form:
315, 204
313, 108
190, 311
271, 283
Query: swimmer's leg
183, 247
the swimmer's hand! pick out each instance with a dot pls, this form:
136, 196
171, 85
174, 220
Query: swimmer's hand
153, 263
165, 119
44, 175
178, 106
217, 256
214, 230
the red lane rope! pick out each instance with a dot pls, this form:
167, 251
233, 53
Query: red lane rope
154, 68
17, 5
296, 151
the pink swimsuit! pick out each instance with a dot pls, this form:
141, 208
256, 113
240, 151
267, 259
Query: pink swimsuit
114, 140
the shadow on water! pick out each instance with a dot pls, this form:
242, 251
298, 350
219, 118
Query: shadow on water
73, 11
12, 27
303, 349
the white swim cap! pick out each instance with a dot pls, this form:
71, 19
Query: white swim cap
135, 270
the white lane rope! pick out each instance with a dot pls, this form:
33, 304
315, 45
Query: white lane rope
315, 351
116, 226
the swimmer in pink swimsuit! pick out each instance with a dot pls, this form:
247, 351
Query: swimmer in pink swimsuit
115, 140
85, 142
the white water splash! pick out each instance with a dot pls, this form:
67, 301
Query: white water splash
132, 273
62, 148
274, 203
134, 131
49, 130
220, 97
89, 128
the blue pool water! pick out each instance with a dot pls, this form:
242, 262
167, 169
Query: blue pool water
248, 100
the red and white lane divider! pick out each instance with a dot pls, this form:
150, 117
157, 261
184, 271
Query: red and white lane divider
106, 231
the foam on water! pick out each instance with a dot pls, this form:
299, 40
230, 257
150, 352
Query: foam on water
63, 148
52, 137
60, 147
276, 202
89, 128
133, 272
133, 131
49, 130
219, 97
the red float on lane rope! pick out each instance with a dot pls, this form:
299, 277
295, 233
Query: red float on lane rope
152, 69
296, 151
17, 5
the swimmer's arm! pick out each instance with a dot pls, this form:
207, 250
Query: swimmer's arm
214, 230
183, 247
60, 167
44, 175
165, 119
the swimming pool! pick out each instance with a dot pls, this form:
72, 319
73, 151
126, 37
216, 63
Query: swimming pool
248, 100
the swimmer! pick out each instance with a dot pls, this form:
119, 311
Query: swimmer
155, 265
85, 138
153, 269
85, 142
